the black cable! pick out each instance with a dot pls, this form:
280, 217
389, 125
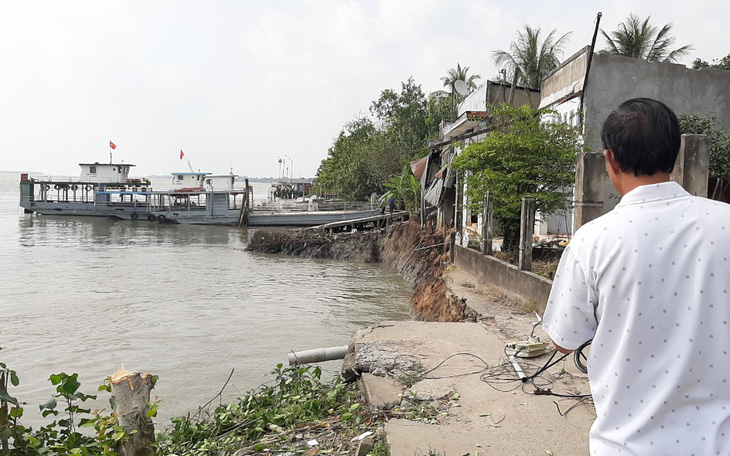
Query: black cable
486, 366
578, 354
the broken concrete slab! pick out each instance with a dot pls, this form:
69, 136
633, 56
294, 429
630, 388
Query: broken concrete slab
381, 393
486, 408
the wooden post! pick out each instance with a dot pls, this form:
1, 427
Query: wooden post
527, 226
131, 398
452, 246
487, 223
692, 167
458, 216
245, 206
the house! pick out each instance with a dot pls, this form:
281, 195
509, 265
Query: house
596, 84
438, 180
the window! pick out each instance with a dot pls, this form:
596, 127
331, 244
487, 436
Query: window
92, 169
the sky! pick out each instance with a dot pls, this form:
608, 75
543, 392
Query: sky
243, 84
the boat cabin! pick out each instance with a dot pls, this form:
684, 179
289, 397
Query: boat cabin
201, 181
188, 180
220, 181
105, 172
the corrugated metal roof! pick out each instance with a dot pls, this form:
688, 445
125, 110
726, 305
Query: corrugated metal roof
418, 167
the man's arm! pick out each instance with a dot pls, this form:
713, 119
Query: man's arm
561, 349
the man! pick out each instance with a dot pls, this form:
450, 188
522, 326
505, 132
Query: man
649, 282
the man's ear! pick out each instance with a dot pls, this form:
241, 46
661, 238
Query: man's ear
611, 162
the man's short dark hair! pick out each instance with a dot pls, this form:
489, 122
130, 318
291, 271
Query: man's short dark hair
643, 135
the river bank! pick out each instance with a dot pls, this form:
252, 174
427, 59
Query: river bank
442, 384
419, 255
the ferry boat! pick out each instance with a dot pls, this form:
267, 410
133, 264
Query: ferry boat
106, 190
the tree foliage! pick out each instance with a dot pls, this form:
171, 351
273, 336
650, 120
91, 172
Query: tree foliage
369, 150
721, 64
706, 124
458, 74
404, 189
642, 40
524, 155
530, 57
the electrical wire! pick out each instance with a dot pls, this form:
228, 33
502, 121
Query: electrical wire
486, 366
579, 357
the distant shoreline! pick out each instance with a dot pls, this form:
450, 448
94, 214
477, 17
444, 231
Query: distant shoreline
165, 176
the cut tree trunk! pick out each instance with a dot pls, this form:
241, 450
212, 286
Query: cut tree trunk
131, 399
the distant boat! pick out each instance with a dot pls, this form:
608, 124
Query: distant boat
106, 190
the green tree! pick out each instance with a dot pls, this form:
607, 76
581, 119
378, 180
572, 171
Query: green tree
438, 108
402, 116
524, 155
369, 151
530, 57
722, 64
345, 171
706, 124
642, 40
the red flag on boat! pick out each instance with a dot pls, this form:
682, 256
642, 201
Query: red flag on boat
112, 145
181, 154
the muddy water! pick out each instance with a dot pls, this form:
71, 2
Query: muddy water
188, 303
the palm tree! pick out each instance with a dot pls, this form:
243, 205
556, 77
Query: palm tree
530, 58
460, 74
641, 40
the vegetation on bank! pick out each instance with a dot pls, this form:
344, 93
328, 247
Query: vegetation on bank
371, 149
526, 154
299, 413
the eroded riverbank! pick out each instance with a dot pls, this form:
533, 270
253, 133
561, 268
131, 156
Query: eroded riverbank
419, 254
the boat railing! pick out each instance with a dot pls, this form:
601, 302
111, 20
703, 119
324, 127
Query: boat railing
314, 206
68, 179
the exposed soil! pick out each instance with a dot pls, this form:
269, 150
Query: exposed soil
421, 255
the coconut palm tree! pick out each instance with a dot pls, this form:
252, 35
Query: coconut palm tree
530, 58
641, 40
459, 73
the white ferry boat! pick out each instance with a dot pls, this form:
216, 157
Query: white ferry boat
106, 190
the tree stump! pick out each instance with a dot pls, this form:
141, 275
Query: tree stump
131, 399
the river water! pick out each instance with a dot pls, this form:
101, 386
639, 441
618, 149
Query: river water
188, 303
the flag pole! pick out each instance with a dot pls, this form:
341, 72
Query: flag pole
110, 152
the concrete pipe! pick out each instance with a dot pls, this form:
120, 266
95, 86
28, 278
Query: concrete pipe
317, 355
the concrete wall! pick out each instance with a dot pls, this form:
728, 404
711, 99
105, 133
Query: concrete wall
495, 93
527, 285
566, 81
614, 79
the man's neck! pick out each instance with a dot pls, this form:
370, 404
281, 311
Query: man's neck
629, 181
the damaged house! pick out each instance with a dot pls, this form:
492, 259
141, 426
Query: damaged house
583, 90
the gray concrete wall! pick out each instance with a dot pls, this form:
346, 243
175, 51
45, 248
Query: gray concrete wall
614, 79
527, 285
495, 93
565, 81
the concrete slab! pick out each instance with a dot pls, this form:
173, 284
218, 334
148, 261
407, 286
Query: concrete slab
381, 393
482, 405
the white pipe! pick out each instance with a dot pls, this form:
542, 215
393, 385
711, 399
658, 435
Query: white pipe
317, 355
